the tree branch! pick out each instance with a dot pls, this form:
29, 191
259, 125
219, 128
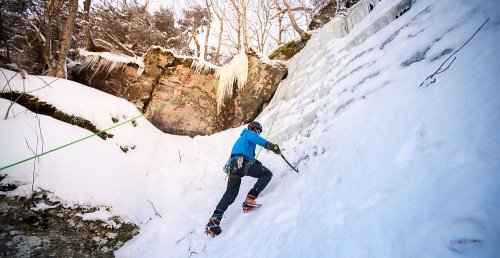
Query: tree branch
293, 9
120, 46
192, 231
156, 213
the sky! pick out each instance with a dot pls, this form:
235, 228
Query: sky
391, 164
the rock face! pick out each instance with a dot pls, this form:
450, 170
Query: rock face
288, 50
323, 15
181, 101
262, 82
328, 11
178, 100
38, 227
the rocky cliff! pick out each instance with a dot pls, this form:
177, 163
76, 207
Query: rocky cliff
179, 100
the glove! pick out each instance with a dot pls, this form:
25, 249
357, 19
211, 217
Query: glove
276, 149
273, 147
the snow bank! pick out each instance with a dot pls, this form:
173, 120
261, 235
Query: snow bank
387, 168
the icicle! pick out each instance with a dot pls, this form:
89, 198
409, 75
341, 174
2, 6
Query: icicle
107, 62
201, 66
236, 70
345, 19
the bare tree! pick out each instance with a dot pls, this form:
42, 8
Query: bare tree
87, 33
219, 11
208, 11
60, 69
303, 35
193, 21
164, 21
260, 23
244, 24
281, 27
50, 14
237, 13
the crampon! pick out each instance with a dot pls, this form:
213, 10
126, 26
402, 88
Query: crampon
249, 204
212, 228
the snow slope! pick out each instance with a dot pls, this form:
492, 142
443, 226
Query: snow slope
387, 168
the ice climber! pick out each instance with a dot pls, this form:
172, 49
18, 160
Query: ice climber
242, 163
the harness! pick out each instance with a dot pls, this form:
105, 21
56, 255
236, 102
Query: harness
236, 162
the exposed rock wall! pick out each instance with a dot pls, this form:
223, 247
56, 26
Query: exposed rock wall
323, 15
288, 50
178, 100
262, 82
38, 227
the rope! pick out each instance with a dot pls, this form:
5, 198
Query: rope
274, 119
107, 129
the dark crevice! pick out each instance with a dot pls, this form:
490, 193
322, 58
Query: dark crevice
165, 70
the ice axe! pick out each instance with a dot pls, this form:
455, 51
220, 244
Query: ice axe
277, 149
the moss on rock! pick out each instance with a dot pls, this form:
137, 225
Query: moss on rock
288, 50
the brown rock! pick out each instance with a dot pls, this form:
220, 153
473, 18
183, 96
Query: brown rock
179, 101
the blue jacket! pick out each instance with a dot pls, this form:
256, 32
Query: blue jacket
245, 145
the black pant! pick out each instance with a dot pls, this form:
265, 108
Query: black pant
256, 170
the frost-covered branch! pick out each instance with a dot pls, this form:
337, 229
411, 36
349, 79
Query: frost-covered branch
38, 32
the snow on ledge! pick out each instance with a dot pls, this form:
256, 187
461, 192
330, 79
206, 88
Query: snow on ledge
109, 61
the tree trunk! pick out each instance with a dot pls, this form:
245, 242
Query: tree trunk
220, 15
209, 16
238, 28
47, 48
120, 46
303, 35
280, 29
244, 24
60, 70
86, 27
280, 15
197, 43
219, 40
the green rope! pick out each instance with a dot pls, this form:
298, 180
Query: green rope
105, 130
68, 144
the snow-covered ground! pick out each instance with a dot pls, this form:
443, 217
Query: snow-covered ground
387, 168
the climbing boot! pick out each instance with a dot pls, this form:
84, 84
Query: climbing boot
250, 204
212, 228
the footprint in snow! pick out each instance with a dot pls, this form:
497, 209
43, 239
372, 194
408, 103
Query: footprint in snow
465, 235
